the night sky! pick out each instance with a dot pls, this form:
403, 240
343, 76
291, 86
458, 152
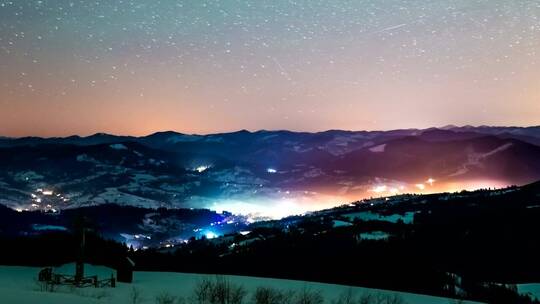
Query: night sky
135, 67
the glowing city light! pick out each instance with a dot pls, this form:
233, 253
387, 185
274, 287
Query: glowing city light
267, 208
210, 235
201, 169
380, 189
420, 186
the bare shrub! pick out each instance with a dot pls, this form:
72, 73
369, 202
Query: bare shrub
306, 296
379, 298
266, 295
135, 296
289, 297
218, 291
394, 299
366, 298
202, 292
346, 297
165, 298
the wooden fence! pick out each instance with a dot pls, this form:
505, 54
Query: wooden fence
47, 275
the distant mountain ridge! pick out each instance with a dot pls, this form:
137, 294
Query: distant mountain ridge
527, 134
258, 168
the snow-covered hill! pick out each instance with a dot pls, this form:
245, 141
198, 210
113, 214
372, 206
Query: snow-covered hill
18, 286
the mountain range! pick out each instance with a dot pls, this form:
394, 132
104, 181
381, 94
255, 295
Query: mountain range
255, 172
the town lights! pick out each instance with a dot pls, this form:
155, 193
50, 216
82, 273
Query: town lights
380, 189
210, 235
201, 169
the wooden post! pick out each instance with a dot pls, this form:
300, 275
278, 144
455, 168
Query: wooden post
79, 267
81, 224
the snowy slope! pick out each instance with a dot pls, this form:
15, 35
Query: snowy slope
532, 289
18, 285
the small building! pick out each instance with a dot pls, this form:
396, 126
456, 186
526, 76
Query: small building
124, 270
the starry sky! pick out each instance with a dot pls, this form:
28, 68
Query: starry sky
138, 66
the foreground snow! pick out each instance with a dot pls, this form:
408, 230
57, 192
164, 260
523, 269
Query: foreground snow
19, 285
532, 290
